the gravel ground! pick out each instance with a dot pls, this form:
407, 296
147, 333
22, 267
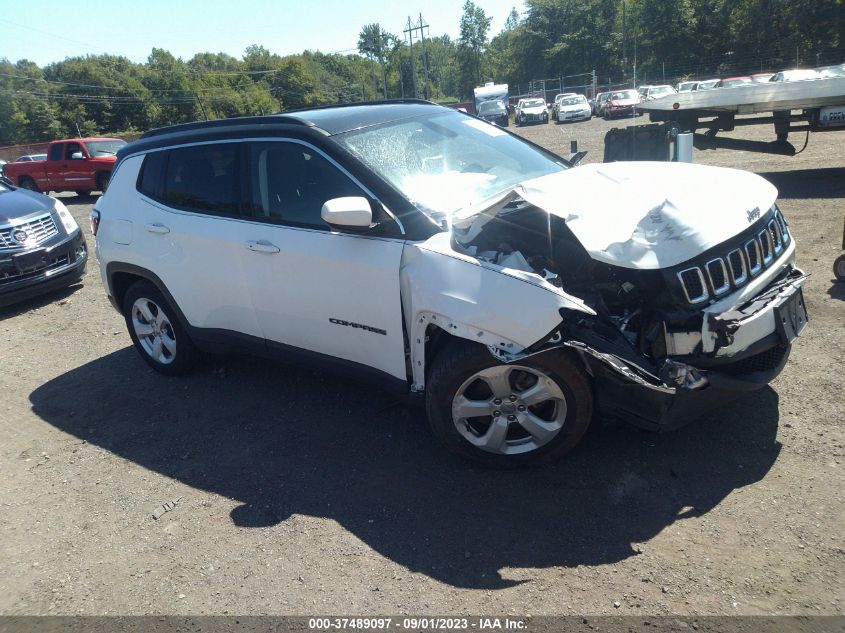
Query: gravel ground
301, 493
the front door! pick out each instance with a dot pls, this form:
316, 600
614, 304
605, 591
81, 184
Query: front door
312, 287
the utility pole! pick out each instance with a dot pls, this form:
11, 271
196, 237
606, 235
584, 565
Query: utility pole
422, 27
410, 32
412, 28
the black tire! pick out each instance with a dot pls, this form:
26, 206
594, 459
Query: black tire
82, 194
103, 180
839, 268
186, 353
457, 363
28, 183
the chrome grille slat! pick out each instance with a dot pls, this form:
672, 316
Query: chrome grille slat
765, 240
736, 264
38, 230
692, 282
718, 274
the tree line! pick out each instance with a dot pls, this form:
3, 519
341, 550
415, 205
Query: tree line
622, 40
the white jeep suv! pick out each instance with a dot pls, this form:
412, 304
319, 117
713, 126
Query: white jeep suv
458, 263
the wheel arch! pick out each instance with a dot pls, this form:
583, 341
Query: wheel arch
121, 276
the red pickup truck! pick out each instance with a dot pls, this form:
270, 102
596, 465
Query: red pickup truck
81, 165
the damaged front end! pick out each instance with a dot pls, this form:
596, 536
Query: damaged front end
663, 342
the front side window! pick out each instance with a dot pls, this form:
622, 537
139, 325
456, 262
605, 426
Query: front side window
445, 162
70, 148
291, 181
203, 178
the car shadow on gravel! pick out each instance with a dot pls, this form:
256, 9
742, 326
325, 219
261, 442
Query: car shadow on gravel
40, 301
284, 439
806, 184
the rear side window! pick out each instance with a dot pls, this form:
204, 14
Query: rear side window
56, 151
150, 179
203, 178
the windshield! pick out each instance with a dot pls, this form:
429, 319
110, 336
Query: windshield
491, 107
625, 94
573, 101
533, 103
660, 90
104, 148
448, 161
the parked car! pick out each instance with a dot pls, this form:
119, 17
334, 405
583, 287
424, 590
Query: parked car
41, 246
601, 101
761, 77
707, 84
531, 110
686, 86
80, 165
798, 74
831, 71
472, 270
494, 112
655, 92
29, 158
733, 82
2, 164
573, 108
621, 103
558, 99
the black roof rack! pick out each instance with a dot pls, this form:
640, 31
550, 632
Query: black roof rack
290, 117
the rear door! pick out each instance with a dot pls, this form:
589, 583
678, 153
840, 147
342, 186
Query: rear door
192, 233
313, 288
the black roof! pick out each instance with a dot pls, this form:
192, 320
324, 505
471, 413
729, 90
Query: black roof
333, 119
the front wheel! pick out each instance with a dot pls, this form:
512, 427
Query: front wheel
155, 330
507, 414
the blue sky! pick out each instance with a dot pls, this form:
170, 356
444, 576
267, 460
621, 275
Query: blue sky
50, 30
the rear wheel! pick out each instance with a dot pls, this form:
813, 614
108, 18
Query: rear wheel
507, 414
103, 182
28, 183
155, 330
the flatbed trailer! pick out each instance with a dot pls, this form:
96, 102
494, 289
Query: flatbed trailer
814, 105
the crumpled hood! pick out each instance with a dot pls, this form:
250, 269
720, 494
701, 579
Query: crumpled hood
643, 215
534, 109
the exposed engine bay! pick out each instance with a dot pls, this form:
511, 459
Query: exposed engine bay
660, 322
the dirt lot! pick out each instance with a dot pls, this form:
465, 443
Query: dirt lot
302, 493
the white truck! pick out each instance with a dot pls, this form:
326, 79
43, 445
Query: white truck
490, 92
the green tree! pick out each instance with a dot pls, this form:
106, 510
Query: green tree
474, 27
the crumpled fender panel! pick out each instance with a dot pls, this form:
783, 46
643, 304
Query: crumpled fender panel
501, 308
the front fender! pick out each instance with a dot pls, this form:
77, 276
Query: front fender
507, 310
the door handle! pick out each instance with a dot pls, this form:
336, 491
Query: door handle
157, 228
262, 247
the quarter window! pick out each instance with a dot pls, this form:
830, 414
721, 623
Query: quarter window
290, 183
149, 182
56, 151
204, 178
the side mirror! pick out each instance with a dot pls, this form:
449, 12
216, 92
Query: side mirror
76, 156
348, 212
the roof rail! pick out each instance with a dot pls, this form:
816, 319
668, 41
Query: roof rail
214, 123
288, 117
